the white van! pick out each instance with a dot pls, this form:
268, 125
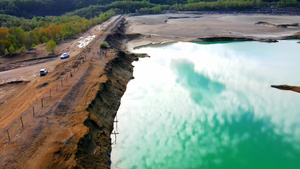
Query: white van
43, 72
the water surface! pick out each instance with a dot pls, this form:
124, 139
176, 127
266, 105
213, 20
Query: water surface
211, 107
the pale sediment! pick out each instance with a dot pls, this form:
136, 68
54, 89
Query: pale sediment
211, 28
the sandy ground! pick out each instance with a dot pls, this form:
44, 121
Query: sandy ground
185, 27
46, 137
29, 71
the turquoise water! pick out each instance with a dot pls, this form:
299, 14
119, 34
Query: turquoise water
211, 107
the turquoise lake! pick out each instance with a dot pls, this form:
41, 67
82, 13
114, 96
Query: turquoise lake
210, 106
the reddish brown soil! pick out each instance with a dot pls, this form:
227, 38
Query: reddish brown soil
50, 134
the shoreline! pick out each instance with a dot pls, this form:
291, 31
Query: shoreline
94, 148
268, 28
236, 83
125, 39
103, 109
165, 28
209, 39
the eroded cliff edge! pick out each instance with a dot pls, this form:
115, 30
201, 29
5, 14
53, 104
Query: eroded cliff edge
94, 148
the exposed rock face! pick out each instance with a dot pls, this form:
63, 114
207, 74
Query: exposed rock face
294, 36
268, 40
265, 24
95, 148
289, 25
118, 38
223, 38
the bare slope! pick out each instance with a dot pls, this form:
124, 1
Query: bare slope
187, 27
48, 136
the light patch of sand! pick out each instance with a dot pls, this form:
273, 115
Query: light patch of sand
102, 26
85, 41
184, 27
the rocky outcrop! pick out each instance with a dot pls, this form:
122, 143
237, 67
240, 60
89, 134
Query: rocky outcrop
289, 25
294, 36
223, 39
287, 87
268, 40
118, 38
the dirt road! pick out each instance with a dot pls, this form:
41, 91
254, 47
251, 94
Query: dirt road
43, 115
31, 73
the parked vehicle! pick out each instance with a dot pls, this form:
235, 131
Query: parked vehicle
43, 72
64, 55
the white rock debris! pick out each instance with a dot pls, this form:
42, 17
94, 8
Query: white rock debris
85, 41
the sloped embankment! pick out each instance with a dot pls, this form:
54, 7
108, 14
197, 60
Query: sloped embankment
95, 147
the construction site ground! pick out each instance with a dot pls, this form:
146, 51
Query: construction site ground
41, 115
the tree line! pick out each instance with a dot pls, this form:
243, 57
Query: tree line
121, 7
23, 33
146, 7
31, 8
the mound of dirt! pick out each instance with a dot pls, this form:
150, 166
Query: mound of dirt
42, 85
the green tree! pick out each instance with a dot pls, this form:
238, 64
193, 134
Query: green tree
23, 49
51, 45
287, 3
44, 39
6, 52
29, 39
67, 31
104, 45
258, 3
11, 49
12, 39
18, 33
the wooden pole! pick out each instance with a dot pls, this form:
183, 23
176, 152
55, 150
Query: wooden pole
116, 121
8, 135
115, 137
42, 102
22, 122
33, 111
